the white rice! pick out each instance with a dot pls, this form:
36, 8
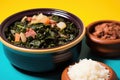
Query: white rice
88, 69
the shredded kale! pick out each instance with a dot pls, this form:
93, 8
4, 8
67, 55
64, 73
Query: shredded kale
46, 36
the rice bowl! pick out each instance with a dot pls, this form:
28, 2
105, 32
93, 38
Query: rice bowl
88, 70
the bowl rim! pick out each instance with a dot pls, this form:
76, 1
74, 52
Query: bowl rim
48, 50
65, 76
98, 40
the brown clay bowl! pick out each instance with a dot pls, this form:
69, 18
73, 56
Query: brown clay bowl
113, 75
102, 47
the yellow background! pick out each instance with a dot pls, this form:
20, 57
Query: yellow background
87, 10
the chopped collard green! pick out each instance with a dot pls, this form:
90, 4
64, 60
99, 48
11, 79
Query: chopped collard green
41, 31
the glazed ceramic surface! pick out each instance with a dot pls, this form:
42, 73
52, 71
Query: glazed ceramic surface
112, 74
40, 60
104, 48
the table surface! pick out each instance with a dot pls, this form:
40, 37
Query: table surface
87, 10
8, 72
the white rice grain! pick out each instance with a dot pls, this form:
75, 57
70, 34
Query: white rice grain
88, 70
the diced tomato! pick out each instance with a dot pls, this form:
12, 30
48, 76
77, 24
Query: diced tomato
17, 37
45, 20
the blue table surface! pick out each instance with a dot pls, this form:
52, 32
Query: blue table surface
8, 72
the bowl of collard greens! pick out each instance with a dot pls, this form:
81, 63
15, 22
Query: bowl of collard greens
37, 38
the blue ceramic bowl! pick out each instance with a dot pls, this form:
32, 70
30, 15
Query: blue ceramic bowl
41, 60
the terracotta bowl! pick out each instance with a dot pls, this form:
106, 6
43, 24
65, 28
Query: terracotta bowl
41, 60
102, 47
113, 75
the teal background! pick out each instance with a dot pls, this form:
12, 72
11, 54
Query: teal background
8, 72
